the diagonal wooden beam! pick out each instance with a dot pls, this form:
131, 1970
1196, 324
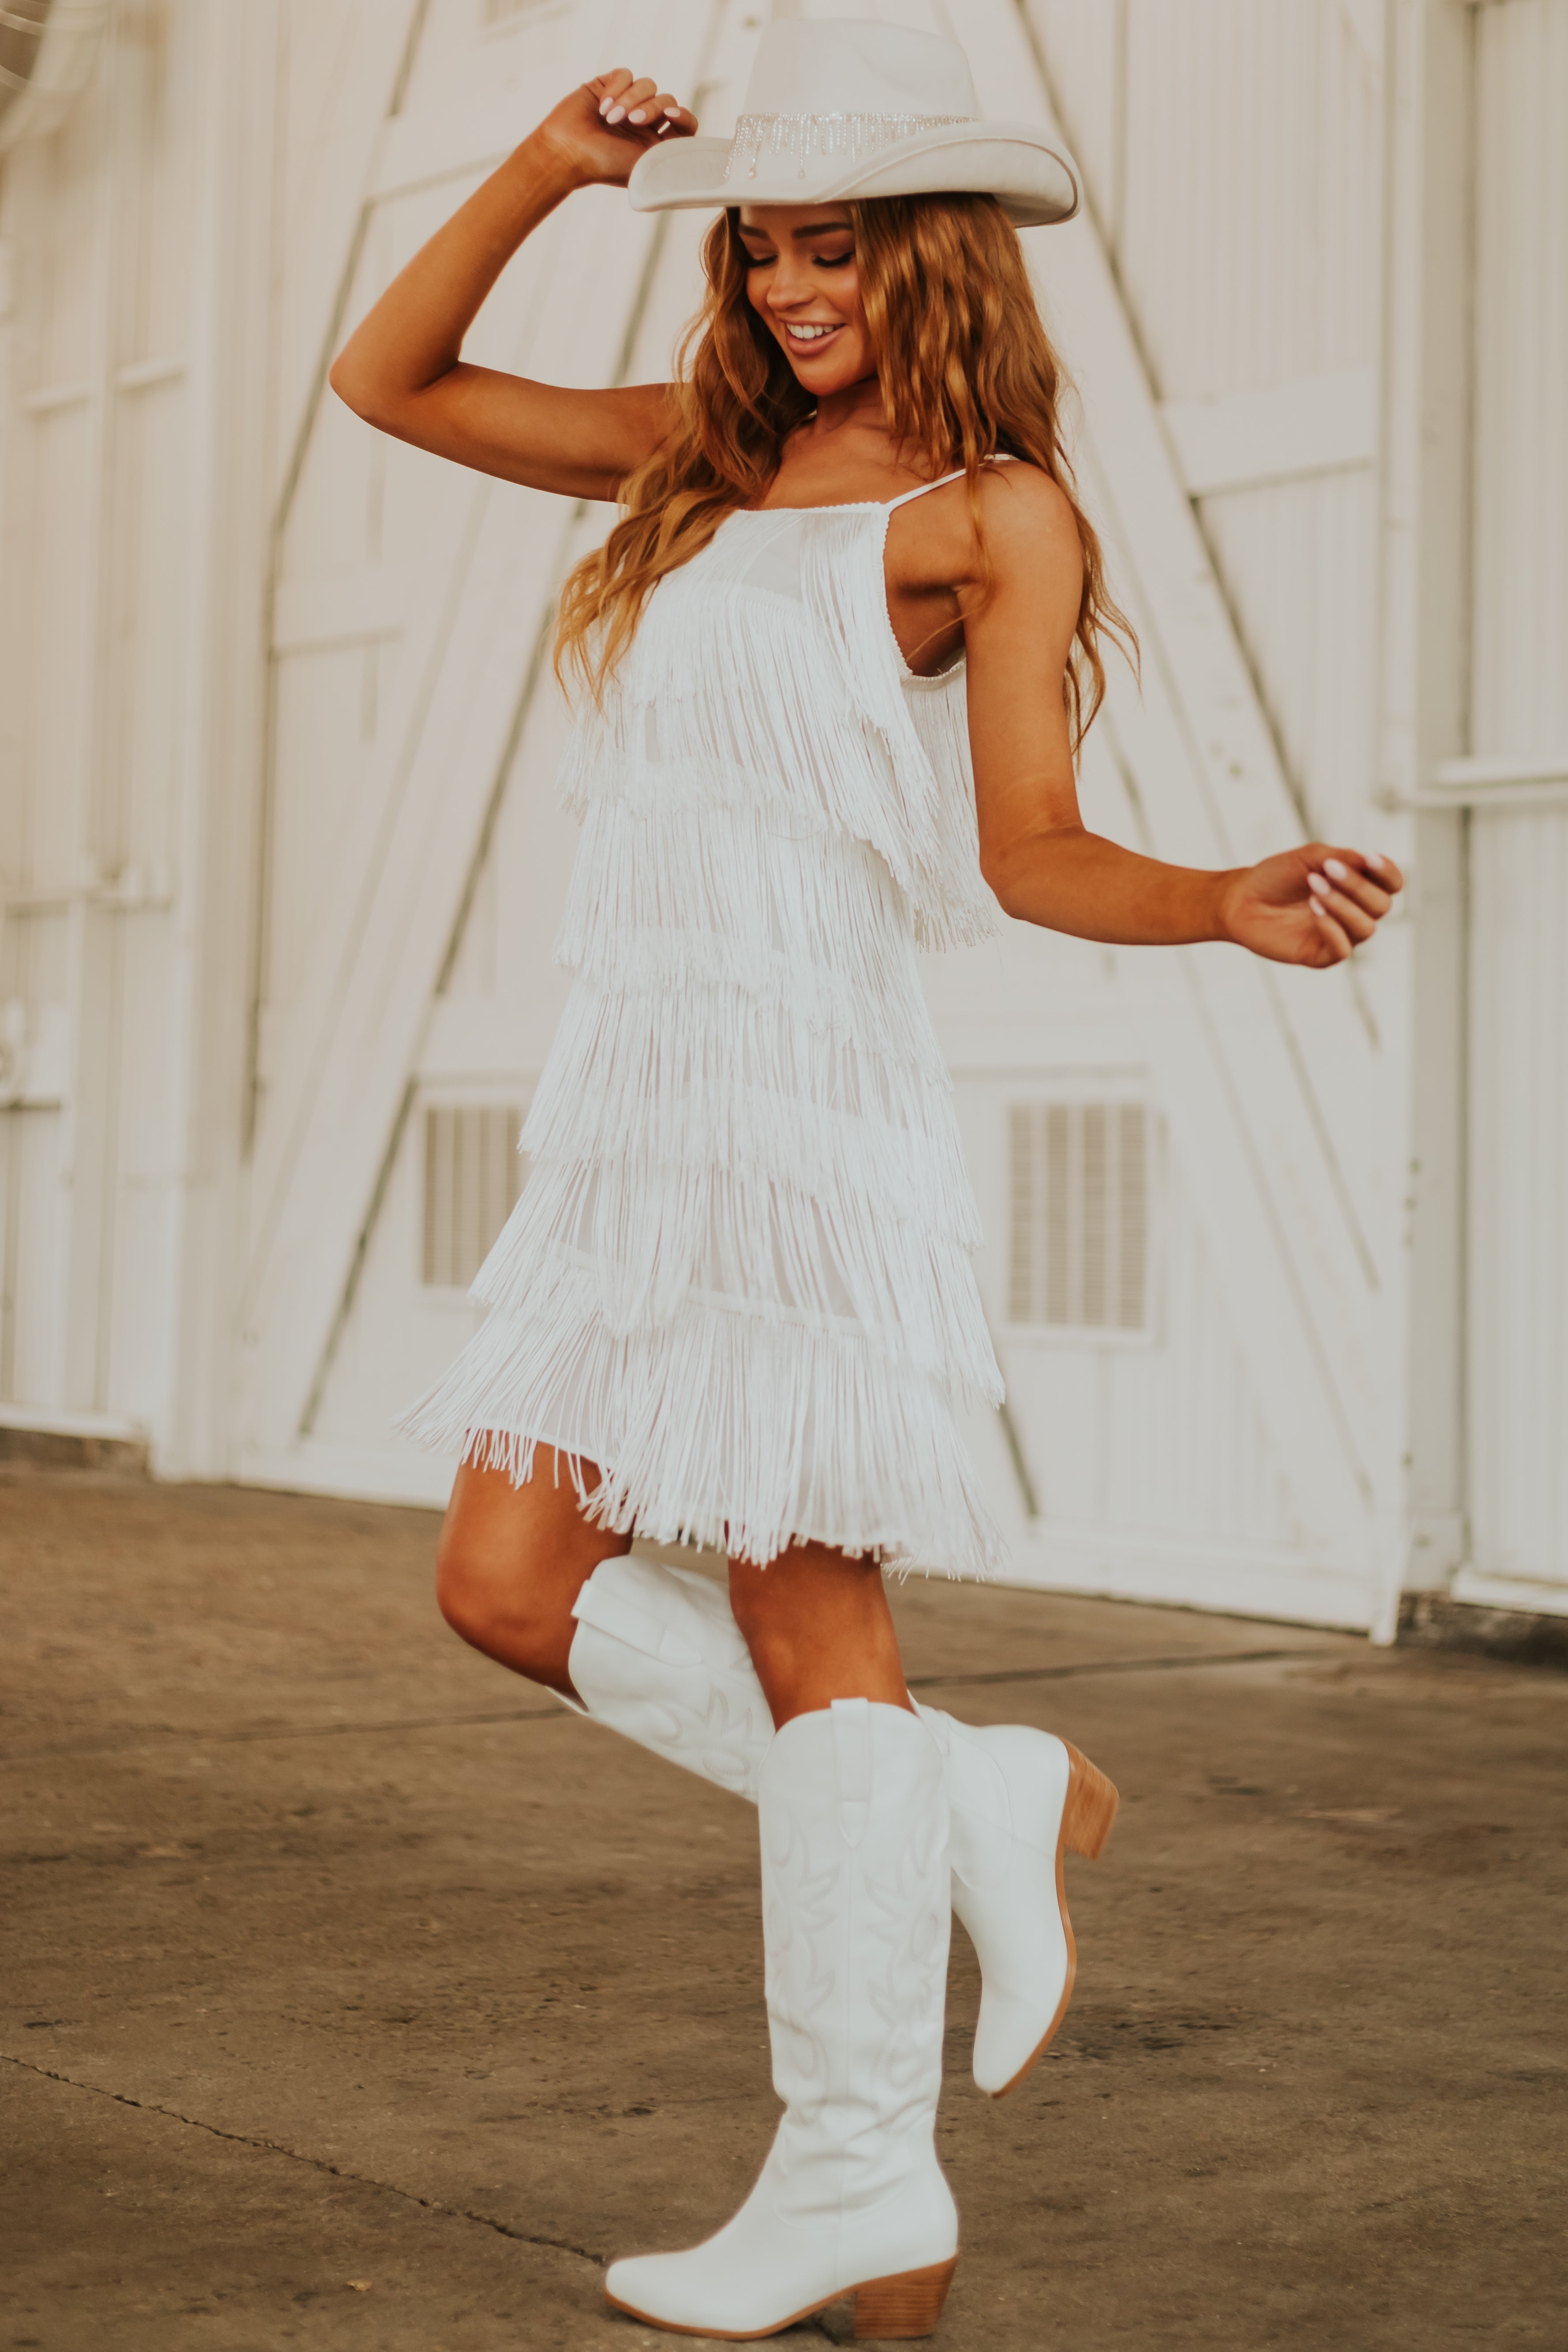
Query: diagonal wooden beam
323, 228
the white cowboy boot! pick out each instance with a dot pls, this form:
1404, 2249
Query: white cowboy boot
851, 2199
658, 1656
1020, 1798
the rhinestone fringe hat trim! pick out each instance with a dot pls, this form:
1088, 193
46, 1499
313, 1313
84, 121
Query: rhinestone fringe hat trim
847, 138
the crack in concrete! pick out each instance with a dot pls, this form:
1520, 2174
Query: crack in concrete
296, 2156
1119, 1666
169, 1734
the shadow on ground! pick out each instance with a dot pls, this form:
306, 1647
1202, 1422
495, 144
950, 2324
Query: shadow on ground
359, 1997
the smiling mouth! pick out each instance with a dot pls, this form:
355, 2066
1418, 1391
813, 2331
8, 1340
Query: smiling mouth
812, 336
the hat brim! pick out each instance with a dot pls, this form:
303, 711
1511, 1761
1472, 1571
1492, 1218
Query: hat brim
1033, 181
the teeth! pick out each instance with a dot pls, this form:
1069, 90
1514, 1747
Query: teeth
812, 334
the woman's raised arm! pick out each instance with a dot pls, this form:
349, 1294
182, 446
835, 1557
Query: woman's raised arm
401, 368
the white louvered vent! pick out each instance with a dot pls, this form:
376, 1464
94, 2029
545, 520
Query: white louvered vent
472, 1178
1078, 1225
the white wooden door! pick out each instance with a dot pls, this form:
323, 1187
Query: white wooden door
411, 611
1516, 783
1259, 1430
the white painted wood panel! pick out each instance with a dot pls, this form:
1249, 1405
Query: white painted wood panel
339, 65
1298, 560
122, 261
1519, 1198
1518, 1112
336, 1084
1234, 159
1520, 688
1084, 44
1311, 425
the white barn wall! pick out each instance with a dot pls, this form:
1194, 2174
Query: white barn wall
1518, 1046
103, 544
156, 867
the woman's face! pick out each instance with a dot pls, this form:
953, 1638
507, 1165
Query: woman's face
802, 280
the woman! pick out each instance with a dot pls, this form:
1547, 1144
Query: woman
837, 653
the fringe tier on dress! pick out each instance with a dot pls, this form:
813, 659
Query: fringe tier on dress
738, 1278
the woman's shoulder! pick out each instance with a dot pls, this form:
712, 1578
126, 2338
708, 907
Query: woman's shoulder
1026, 524
1031, 524
1017, 495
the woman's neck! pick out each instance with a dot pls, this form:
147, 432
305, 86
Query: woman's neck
849, 411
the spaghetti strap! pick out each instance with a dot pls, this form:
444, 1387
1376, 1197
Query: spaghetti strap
1002, 457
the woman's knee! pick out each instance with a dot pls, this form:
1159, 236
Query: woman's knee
510, 1563
464, 1590
496, 1604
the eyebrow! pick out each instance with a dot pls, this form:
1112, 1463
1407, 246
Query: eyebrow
813, 228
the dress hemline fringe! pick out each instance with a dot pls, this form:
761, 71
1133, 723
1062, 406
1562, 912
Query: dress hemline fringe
711, 1430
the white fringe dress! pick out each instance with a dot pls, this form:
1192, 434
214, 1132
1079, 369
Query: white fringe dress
738, 1278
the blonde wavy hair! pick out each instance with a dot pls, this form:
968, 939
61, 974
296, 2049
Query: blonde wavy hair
966, 371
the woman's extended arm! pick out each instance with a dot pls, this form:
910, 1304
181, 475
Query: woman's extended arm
1313, 905
401, 370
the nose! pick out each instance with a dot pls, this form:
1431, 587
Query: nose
790, 284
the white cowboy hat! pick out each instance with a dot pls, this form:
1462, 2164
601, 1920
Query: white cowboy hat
841, 109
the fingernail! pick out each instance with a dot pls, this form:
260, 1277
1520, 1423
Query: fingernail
1318, 911
615, 115
1332, 865
1316, 882
1373, 859
672, 110
603, 106
638, 114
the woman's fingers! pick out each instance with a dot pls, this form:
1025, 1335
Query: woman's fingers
616, 105
635, 102
1349, 892
1346, 910
670, 117
648, 113
1334, 937
1362, 888
1374, 881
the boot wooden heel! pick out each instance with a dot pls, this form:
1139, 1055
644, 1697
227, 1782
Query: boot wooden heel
894, 2309
1090, 1807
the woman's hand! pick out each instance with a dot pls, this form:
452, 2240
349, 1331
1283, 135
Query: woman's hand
597, 132
1314, 906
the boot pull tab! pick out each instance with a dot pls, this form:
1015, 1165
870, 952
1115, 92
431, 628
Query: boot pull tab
611, 1613
852, 1765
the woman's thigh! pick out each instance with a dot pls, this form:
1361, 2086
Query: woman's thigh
511, 1560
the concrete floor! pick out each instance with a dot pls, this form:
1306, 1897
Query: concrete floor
359, 1997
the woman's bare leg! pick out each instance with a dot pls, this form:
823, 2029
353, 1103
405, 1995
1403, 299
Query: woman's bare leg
818, 1628
511, 1562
